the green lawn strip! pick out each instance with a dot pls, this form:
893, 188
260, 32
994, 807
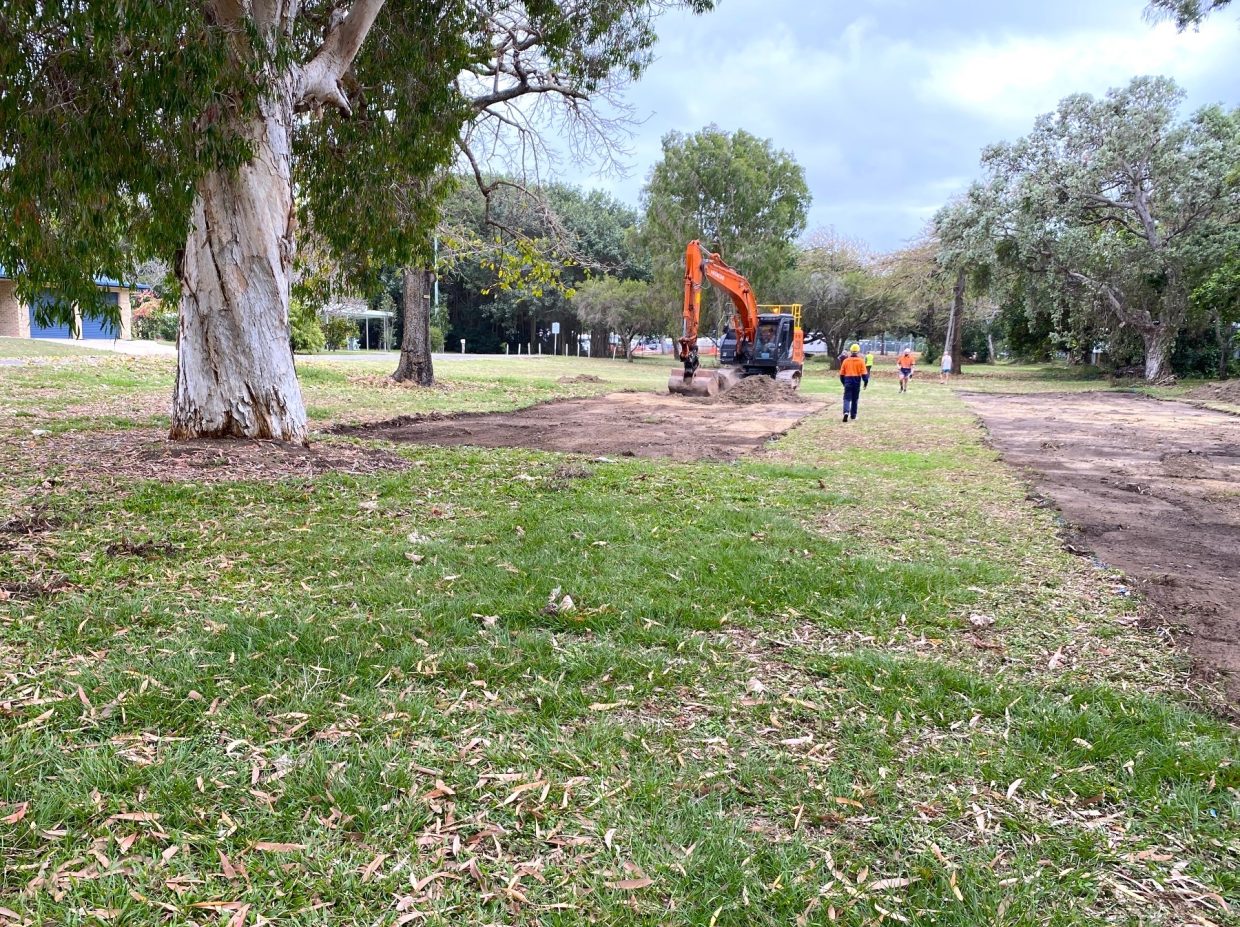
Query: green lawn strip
22, 348
341, 669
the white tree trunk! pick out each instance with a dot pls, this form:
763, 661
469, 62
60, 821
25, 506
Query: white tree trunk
235, 375
1158, 341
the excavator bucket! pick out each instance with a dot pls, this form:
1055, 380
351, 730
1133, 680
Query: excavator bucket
703, 383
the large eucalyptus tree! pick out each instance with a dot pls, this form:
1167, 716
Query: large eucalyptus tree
202, 132
1120, 199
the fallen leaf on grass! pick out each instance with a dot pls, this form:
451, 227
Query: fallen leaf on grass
268, 847
140, 816
519, 791
230, 871
372, 867
606, 706
629, 885
442, 874
17, 815
35, 722
884, 884
1011, 789
439, 791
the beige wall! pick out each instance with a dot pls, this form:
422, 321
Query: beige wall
14, 316
126, 307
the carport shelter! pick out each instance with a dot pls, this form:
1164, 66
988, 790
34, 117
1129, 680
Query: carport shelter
17, 319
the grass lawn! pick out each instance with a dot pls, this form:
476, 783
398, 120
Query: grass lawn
853, 680
21, 348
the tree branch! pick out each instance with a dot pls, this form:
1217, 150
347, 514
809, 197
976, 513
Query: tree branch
1140, 320
320, 82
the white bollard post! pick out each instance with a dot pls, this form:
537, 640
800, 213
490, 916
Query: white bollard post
462, 345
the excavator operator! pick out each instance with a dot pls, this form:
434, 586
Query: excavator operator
852, 373
768, 335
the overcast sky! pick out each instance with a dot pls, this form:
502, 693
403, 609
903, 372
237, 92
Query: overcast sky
887, 103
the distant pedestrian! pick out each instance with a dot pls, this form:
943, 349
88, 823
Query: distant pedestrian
905, 363
945, 368
853, 374
869, 367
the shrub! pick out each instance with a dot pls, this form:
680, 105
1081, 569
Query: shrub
436, 339
304, 332
337, 331
153, 319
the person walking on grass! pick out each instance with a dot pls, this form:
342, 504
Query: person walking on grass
852, 374
945, 368
905, 363
869, 367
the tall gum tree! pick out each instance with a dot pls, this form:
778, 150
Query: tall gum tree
1119, 199
204, 133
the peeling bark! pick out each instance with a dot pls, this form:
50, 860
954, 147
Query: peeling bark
1158, 341
235, 375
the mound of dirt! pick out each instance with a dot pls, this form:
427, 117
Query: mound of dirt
581, 378
1227, 391
753, 390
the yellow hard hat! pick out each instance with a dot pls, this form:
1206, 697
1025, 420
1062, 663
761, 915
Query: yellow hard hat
855, 347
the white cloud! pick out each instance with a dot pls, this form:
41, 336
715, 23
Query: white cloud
888, 103
1010, 80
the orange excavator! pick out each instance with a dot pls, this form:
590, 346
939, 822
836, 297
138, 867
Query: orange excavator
757, 343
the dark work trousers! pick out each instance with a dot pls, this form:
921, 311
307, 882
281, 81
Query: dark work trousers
852, 395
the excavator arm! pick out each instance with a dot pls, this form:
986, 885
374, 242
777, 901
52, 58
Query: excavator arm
700, 266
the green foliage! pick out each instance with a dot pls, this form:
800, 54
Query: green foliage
305, 333
437, 339
629, 308
111, 114
1185, 13
842, 295
736, 193
515, 266
1218, 294
337, 331
1102, 216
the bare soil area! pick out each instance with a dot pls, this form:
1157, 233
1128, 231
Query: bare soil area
1152, 488
618, 424
94, 457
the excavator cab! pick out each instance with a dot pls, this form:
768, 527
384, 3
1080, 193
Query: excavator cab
779, 345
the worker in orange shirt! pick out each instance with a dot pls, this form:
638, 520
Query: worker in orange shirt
852, 374
905, 363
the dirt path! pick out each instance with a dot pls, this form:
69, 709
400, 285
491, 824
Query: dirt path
619, 424
1153, 489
